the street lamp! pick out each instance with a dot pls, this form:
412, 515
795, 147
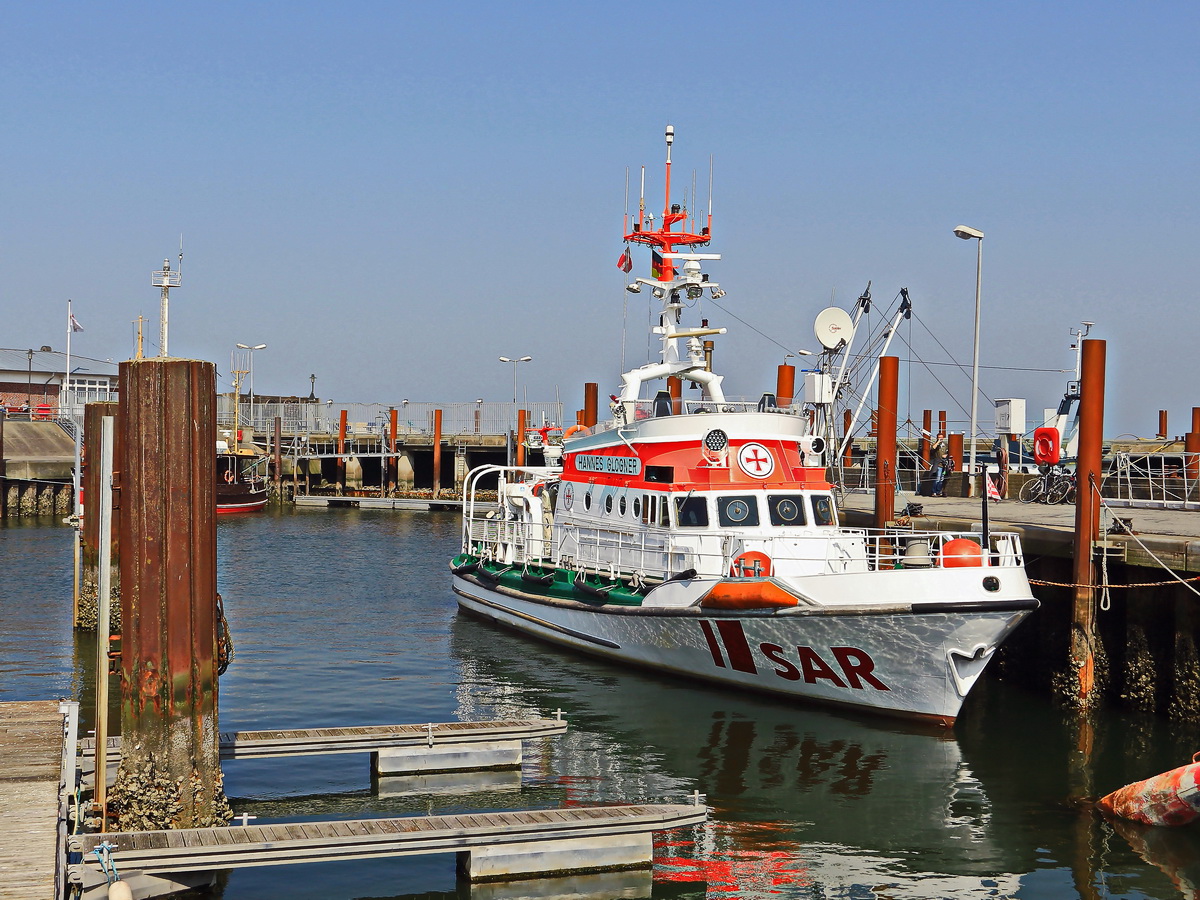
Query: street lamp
969, 234
252, 348
29, 386
515, 362
312, 391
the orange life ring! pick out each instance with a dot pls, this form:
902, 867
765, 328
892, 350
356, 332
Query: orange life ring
751, 564
573, 430
228, 476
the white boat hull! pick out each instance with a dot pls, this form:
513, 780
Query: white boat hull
893, 658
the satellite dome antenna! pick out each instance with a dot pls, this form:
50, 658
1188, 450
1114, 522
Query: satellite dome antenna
166, 279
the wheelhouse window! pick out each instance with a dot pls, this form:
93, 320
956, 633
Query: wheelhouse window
691, 512
736, 512
786, 509
822, 505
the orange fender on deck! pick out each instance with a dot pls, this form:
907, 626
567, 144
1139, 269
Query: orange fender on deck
757, 594
1172, 798
961, 552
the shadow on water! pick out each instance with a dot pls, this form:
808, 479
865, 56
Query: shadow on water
347, 618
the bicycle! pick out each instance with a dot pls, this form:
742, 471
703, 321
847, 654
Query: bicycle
1054, 484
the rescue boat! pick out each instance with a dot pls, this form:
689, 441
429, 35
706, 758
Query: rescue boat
702, 538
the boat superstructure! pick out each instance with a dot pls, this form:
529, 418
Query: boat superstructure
702, 537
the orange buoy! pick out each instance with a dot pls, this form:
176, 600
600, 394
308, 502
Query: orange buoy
960, 553
751, 564
1172, 798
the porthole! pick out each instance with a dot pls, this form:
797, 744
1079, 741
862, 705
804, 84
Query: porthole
991, 583
637, 508
621, 506
608, 504
587, 499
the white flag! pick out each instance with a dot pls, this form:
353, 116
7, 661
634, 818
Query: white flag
75, 326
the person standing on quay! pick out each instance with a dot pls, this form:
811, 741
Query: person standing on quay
937, 458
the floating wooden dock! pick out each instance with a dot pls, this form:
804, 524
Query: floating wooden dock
432, 747
331, 501
34, 753
490, 846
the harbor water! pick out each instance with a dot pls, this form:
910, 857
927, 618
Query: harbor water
346, 617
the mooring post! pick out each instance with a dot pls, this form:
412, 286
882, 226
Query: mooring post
278, 461
437, 452
393, 466
1162, 425
3, 468
885, 441
785, 385
847, 420
170, 774
93, 417
341, 459
1088, 473
926, 437
522, 415
591, 395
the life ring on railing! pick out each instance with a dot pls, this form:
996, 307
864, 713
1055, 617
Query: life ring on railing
228, 476
574, 429
751, 564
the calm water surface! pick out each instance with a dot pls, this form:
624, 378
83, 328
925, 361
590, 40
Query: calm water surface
347, 618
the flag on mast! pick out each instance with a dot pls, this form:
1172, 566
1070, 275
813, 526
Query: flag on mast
992, 491
625, 263
74, 323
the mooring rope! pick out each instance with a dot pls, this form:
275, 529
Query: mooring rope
1105, 586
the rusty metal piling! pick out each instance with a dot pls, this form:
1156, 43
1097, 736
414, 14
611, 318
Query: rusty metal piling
1088, 473
885, 441
591, 402
170, 773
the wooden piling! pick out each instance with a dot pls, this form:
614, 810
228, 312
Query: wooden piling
785, 385
170, 773
591, 396
885, 441
1088, 473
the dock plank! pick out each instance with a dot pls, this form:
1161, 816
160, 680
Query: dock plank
31, 746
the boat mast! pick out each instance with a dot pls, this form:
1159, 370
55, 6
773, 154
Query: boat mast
670, 285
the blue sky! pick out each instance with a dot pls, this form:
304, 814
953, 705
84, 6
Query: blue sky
391, 195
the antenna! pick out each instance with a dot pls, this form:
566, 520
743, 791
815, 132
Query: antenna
710, 179
165, 279
626, 219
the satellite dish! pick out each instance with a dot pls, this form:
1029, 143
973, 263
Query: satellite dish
833, 326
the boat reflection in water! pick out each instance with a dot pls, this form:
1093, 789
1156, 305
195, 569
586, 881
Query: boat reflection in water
801, 797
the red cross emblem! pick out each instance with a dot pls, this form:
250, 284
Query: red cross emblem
755, 460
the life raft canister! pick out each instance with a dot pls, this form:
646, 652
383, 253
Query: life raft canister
751, 564
1172, 798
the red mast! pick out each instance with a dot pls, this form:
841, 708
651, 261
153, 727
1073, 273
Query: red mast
664, 240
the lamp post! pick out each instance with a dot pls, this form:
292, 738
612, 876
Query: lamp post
969, 234
252, 348
515, 362
312, 391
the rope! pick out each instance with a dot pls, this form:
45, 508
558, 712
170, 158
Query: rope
224, 639
1149, 552
1118, 587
